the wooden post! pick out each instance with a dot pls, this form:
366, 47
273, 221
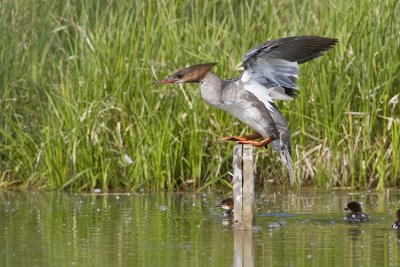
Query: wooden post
249, 216
244, 207
243, 186
238, 184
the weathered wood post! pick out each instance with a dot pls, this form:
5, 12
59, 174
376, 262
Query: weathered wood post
244, 207
243, 186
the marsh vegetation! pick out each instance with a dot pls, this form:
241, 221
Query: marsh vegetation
79, 107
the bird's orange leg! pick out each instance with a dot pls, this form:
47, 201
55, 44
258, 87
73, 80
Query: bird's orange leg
261, 143
241, 138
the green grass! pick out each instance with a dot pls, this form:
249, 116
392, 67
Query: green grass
78, 93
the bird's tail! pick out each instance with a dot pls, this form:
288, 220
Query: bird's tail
285, 151
287, 161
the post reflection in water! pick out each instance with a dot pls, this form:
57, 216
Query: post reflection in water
243, 248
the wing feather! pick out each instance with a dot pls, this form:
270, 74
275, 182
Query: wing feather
275, 64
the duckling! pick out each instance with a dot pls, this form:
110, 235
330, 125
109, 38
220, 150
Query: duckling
355, 214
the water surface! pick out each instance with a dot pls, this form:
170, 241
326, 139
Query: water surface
139, 229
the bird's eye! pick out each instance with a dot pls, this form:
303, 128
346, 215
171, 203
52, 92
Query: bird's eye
179, 76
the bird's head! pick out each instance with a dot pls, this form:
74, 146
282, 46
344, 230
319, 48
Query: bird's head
353, 206
192, 74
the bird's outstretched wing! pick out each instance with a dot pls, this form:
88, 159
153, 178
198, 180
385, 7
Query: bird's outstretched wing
275, 64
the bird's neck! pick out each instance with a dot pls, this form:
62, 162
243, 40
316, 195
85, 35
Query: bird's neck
211, 88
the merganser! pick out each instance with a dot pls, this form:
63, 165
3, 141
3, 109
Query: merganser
355, 213
270, 73
227, 205
396, 224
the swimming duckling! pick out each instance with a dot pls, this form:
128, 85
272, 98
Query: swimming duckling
355, 214
396, 224
227, 205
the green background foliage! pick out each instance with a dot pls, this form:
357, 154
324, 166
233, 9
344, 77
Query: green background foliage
79, 107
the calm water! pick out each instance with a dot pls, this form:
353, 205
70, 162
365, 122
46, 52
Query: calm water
59, 229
